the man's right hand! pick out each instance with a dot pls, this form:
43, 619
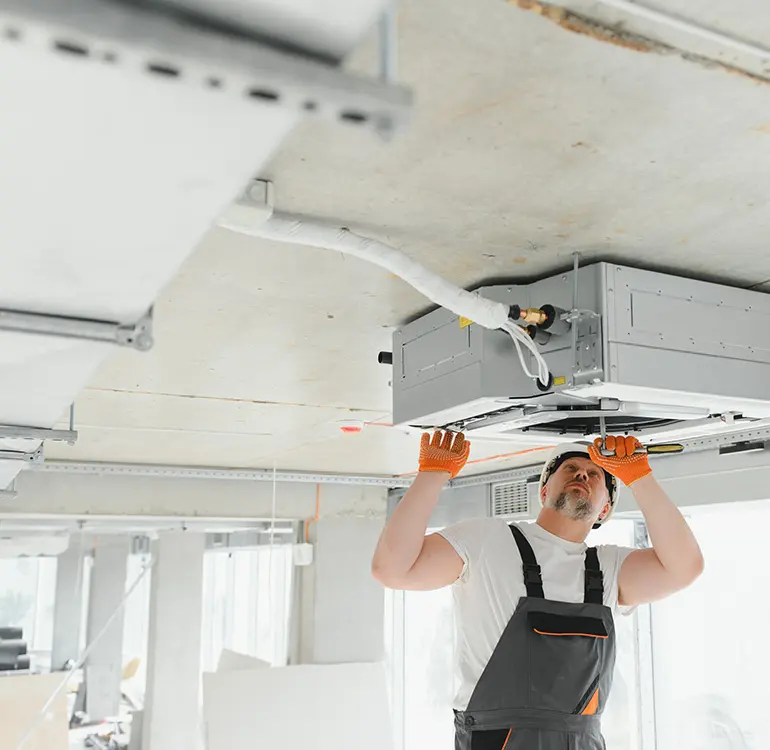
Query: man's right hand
405, 558
445, 452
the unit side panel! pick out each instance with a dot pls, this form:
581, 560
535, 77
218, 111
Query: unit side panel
691, 371
674, 314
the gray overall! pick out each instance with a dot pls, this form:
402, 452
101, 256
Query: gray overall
549, 677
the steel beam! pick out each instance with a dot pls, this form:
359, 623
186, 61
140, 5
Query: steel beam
200, 55
194, 472
37, 433
31, 457
136, 335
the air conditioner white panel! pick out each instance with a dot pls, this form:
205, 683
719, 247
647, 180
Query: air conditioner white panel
653, 354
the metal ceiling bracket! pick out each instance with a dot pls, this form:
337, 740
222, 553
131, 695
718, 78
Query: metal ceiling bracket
31, 457
136, 336
388, 28
143, 41
38, 433
197, 472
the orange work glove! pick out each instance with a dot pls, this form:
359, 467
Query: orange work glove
626, 465
447, 452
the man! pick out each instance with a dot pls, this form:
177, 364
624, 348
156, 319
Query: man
534, 605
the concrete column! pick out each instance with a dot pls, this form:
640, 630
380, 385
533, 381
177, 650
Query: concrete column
105, 663
349, 613
172, 700
68, 605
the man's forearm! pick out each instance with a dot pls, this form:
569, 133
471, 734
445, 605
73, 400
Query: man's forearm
401, 541
671, 537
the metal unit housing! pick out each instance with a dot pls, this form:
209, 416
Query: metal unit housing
653, 354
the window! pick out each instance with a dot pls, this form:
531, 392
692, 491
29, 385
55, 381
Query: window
136, 625
27, 594
620, 723
429, 670
246, 604
710, 654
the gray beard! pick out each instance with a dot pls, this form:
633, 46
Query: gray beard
573, 505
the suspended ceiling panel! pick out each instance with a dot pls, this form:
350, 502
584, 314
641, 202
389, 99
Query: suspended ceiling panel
124, 134
529, 142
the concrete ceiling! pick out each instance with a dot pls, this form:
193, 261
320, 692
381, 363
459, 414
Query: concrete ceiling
529, 142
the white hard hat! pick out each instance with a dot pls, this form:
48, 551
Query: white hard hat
569, 450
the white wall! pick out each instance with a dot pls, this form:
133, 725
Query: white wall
349, 603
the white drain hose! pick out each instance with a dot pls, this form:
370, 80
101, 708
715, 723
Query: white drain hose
487, 313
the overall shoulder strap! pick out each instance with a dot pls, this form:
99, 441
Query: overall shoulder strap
594, 587
533, 580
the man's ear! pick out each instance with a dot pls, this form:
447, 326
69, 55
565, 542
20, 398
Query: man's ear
543, 494
605, 511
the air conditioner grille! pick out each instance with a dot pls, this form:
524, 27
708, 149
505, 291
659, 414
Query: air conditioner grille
510, 498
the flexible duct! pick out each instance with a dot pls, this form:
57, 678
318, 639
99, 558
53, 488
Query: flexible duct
487, 313
289, 228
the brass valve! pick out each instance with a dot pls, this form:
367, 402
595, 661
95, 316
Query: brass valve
533, 316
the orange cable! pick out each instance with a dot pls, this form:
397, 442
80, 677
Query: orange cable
317, 511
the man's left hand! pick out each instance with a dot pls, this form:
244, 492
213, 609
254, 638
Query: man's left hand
623, 463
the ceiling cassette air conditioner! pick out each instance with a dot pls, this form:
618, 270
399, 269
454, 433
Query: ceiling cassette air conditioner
647, 354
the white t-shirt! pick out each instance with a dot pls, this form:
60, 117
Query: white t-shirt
492, 582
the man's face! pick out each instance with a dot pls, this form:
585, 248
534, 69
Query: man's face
577, 489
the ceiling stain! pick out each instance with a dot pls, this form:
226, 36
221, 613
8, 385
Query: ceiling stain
587, 146
616, 35
762, 128
582, 25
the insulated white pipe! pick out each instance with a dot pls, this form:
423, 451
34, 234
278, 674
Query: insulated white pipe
284, 227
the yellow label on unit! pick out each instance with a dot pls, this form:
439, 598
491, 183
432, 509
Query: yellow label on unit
464, 322
561, 380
